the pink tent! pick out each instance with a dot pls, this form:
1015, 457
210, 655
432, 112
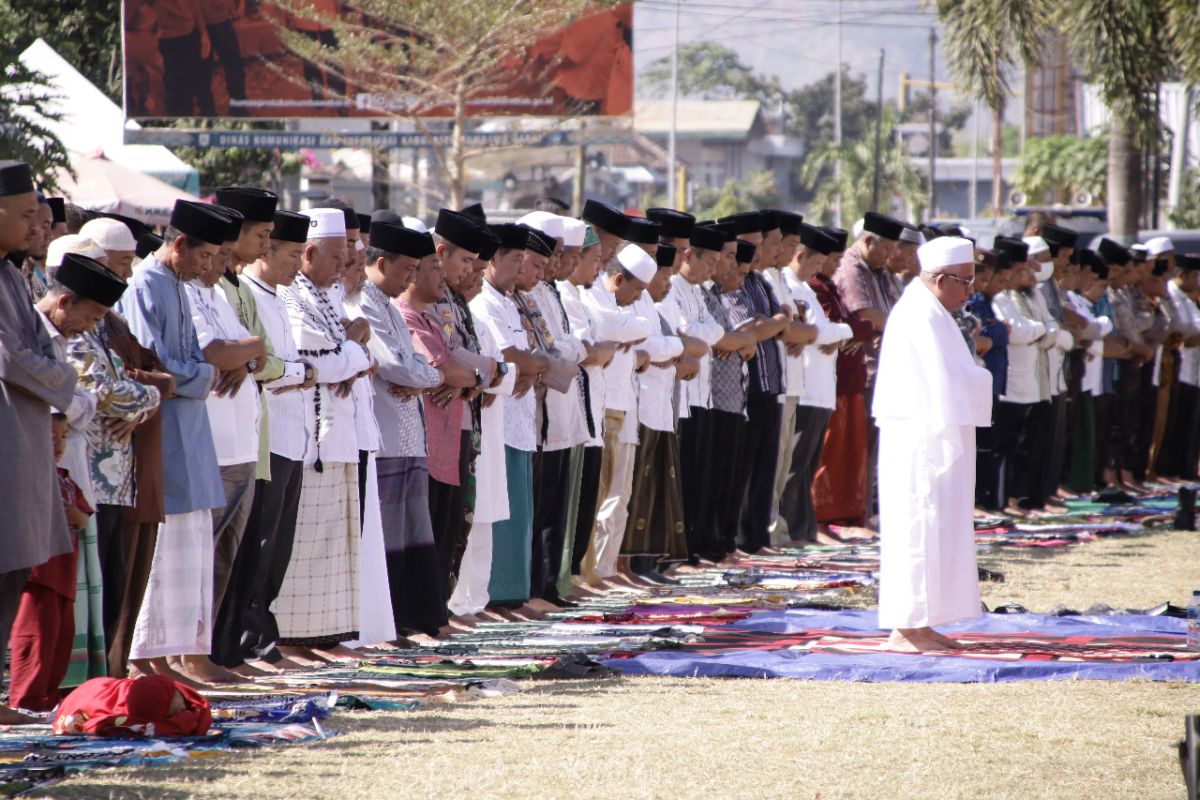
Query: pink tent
103, 185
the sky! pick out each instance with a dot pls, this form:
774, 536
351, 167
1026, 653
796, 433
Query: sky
797, 39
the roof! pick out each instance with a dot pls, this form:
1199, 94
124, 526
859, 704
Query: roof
699, 119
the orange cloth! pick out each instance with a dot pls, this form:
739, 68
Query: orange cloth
840, 487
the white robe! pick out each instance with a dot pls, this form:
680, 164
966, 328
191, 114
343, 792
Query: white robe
929, 398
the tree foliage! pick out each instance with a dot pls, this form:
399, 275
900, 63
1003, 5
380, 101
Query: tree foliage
86, 33
756, 190
1055, 169
231, 166
709, 71
899, 180
24, 97
1186, 215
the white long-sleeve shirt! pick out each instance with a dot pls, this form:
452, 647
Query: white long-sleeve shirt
816, 374
1024, 353
621, 326
685, 312
287, 415
656, 385
567, 423
585, 325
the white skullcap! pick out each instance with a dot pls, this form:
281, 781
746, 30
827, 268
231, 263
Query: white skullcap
72, 243
638, 262
1159, 245
1037, 245
574, 232
326, 223
109, 234
414, 224
544, 221
857, 230
912, 235
937, 255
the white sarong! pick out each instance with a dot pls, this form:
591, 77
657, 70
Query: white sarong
175, 618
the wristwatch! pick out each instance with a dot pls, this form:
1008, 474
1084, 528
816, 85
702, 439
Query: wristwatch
501, 368
309, 372
252, 365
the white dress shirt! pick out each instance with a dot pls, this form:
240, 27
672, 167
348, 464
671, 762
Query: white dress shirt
684, 310
287, 415
656, 385
816, 374
499, 314
233, 418
584, 325
1093, 360
566, 425
1023, 349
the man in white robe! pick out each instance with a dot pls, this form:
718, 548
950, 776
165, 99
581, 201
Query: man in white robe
929, 398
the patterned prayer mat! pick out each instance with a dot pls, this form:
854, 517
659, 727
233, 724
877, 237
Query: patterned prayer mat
1019, 647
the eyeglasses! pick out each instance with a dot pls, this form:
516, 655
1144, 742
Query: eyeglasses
967, 282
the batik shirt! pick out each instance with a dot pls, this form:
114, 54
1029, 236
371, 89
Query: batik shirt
728, 374
755, 297
117, 397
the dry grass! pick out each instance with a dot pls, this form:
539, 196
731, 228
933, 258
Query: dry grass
685, 738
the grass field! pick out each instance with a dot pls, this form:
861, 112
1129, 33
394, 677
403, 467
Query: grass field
701, 738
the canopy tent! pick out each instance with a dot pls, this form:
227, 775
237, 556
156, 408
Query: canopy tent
104, 185
91, 123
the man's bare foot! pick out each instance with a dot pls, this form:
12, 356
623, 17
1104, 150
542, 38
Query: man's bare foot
201, 668
906, 641
541, 606
10, 716
248, 671
160, 666
943, 640
303, 656
825, 537
338, 653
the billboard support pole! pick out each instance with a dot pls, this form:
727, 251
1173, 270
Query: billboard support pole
672, 196
580, 169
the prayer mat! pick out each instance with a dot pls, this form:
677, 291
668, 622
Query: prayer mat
1021, 647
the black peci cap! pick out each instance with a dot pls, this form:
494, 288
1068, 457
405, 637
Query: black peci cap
89, 278
255, 205
665, 255
675, 224
604, 217
707, 238
640, 230
290, 227
399, 240
200, 221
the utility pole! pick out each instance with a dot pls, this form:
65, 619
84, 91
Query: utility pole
932, 124
878, 136
580, 169
672, 166
972, 200
837, 120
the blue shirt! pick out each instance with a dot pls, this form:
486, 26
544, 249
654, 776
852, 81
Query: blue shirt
158, 312
996, 359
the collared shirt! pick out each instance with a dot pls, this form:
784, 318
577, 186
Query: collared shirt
851, 367
861, 288
685, 311
443, 425
656, 385
159, 314
994, 360
817, 376
1027, 373
755, 297
505, 324
80, 414
585, 325
621, 326
1093, 359
117, 397
362, 392
728, 375
233, 418
1185, 321
566, 416
401, 422
287, 419
317, 332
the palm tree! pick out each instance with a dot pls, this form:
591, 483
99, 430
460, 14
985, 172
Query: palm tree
897, 175
983, 41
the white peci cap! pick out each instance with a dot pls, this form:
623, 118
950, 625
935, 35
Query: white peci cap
1037, 245
73, 243
1159, 245
638, 262
109, 234
937, 255
326, 223
574, 232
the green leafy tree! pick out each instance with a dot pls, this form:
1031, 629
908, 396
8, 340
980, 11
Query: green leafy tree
756, 190
709, 71
1055, 169
86, 33
985, 41
898, 178
24, 97
1186, 215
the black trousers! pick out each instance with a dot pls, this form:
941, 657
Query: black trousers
1105, 455
728, 481
1009, 422
446, 510
364, 459
1056, 447
245, 626
757, 462
585, 519
696, 480
1188, 430
1126, 415
551, 496
796, 502
186, 82
1143, 434
225, 45
1028, 479
11, 584
109, 528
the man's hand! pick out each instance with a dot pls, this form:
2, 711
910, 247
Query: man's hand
525, 381
308, 382
747, 351
643, 360
794, 349
442, 396
231, 381
687, 368
982, 345
404, 392
119, 430
830, 349
344, 388
358, 330
488, 399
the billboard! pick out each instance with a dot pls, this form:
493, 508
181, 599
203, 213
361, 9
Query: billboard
228, 58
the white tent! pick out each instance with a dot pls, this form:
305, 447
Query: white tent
104, 185
94, 125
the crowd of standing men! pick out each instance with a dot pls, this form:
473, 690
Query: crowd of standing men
284, 436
